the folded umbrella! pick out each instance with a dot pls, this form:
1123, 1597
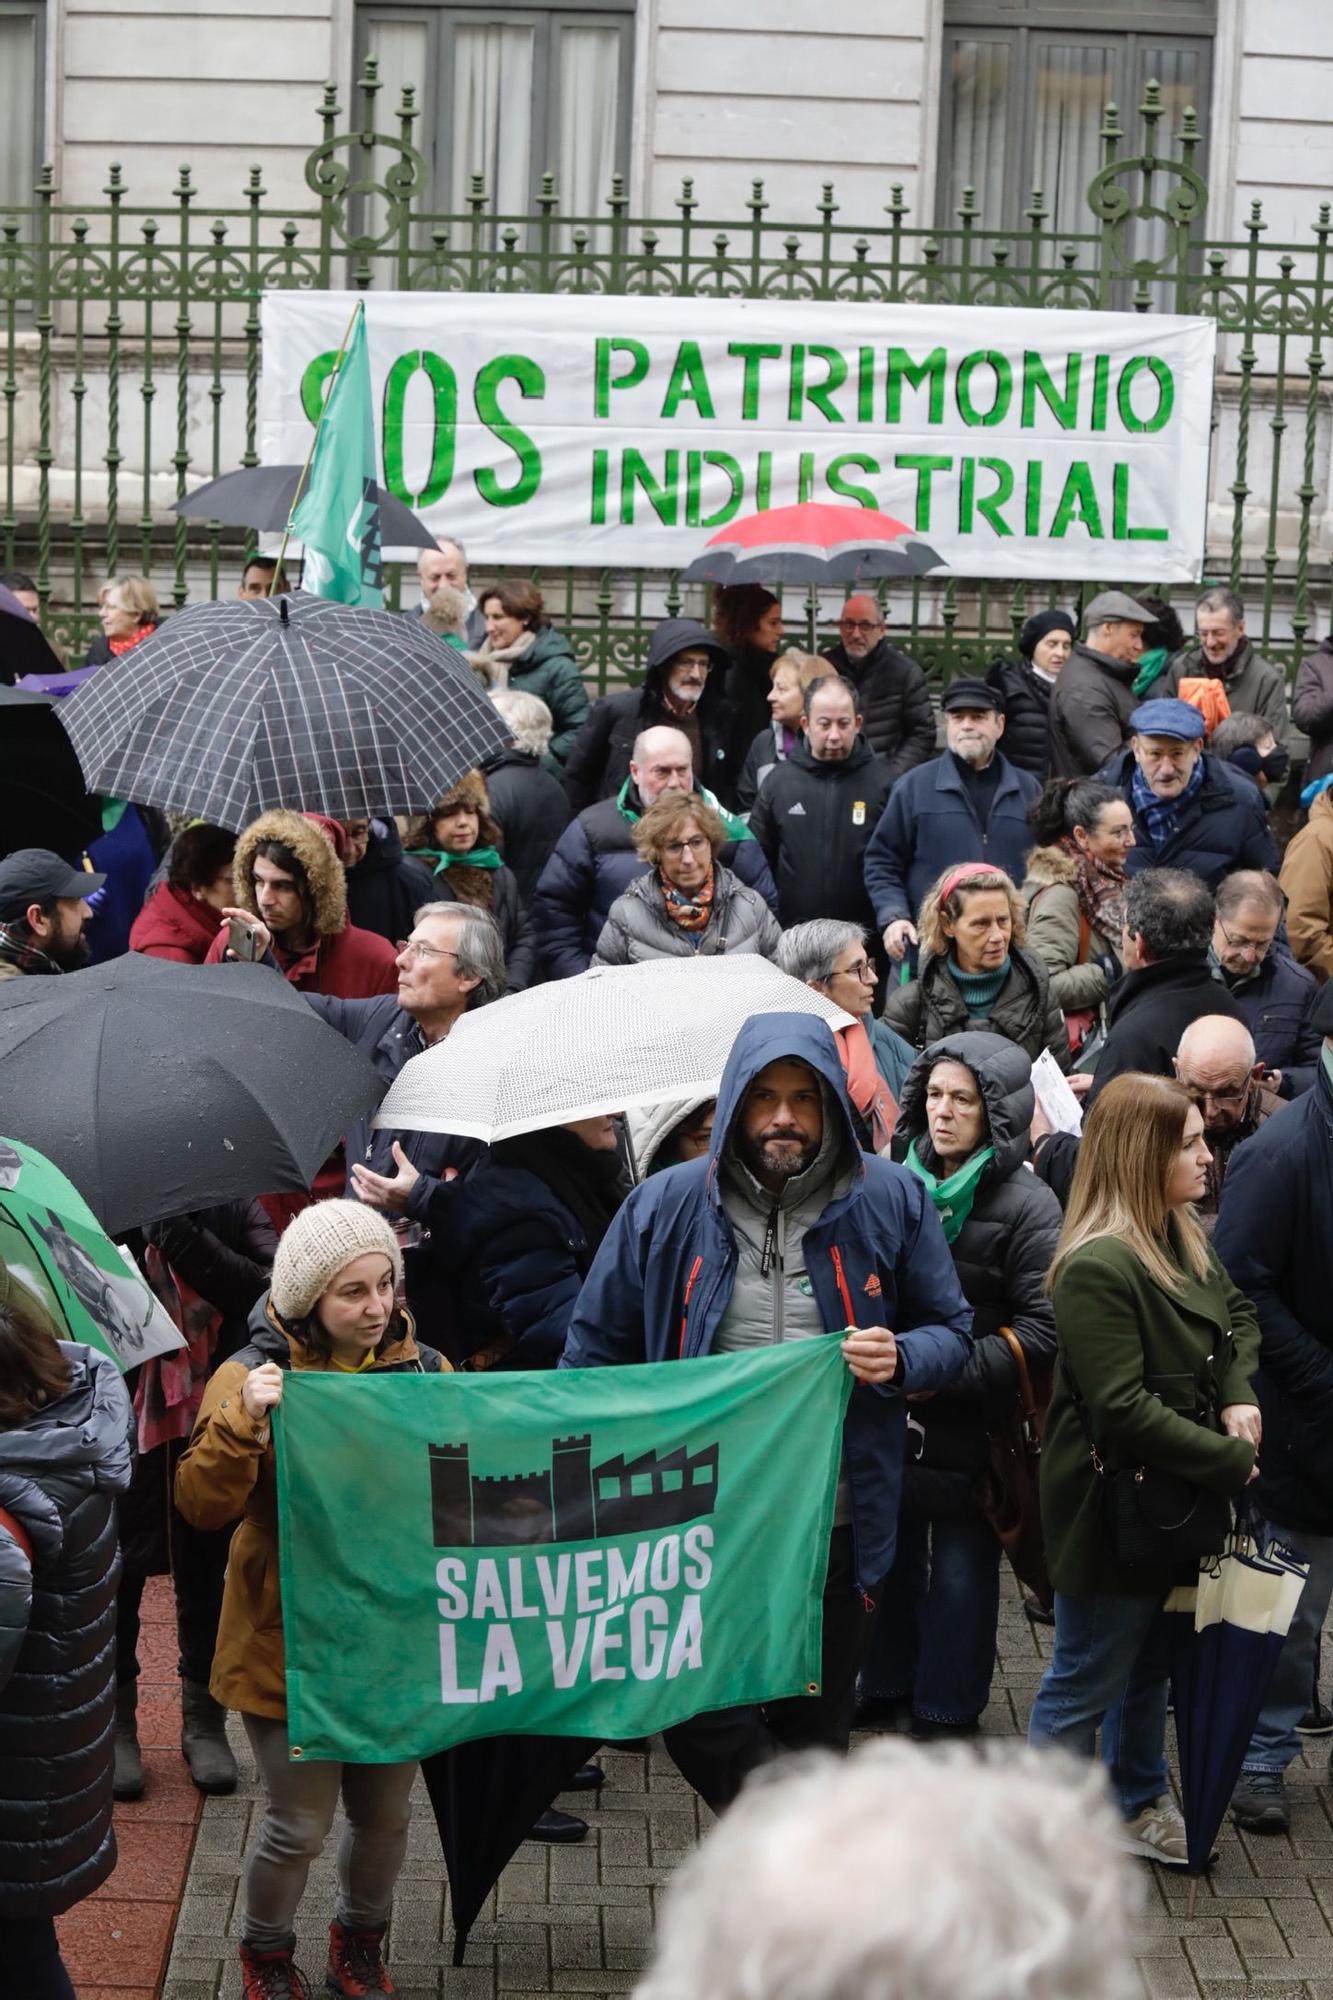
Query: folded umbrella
50, 1241
611, 1037
231, 709
485, 1797
262, 496
159, 1088
1227, 1634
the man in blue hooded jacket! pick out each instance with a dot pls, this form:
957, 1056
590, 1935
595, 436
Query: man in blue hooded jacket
787, 1231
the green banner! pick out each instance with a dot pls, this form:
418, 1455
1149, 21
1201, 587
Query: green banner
593, 1552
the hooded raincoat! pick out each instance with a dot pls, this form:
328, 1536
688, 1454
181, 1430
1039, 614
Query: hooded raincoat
665, 1275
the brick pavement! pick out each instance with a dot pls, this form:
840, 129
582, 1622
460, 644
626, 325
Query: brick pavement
578, 1920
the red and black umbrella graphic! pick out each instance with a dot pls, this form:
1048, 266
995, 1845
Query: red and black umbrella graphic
812, 543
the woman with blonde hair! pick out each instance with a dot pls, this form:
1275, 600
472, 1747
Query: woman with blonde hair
1153, 1430
789, 677
975, 970
129, 612
688, 904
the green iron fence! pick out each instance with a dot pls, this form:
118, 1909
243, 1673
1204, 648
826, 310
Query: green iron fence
130, 354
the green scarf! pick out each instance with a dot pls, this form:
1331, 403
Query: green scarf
476, 857
736, 828
953, 1198
1326, 1063
1151, 665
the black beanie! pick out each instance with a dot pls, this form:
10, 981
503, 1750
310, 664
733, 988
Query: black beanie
1040, 625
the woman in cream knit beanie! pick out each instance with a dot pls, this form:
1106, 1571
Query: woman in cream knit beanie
319, 1243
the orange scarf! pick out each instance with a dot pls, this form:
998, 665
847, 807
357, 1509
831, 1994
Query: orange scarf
865, 1086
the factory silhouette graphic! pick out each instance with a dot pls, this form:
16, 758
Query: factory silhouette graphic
573, 1501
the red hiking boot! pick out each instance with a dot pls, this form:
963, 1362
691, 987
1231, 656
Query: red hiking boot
355, 1964
272, 1975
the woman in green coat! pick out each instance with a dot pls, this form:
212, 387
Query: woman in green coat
1160, 1348
523, 650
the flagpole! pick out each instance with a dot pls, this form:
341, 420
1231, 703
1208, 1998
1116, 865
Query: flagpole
359, 307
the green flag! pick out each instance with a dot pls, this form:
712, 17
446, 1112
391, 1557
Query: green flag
338, 516
593, 1552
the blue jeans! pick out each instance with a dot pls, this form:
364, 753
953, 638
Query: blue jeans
1110, 1653
1275, 1742
935, 1620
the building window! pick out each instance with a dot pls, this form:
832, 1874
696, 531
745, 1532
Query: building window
1026, 84
21, 84
511, 93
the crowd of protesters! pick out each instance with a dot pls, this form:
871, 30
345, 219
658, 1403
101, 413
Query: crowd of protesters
1074, 863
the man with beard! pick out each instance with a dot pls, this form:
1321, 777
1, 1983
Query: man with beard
44, 913
785, 1230
682, 690
968, 805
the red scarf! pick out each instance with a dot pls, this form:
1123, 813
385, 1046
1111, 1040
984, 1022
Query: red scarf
119, 646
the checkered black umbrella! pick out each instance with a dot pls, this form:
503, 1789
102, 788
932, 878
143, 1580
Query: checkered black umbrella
231, 709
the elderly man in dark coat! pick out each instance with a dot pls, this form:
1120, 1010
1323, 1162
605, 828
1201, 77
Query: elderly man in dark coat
891, 691
681, 689
1094, 697
1191, 810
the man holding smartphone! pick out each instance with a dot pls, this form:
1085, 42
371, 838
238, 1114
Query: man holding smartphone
290, 884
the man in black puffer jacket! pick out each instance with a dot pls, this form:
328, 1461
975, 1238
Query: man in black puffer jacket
962, 1128
891, 688
65, 1425
816, 811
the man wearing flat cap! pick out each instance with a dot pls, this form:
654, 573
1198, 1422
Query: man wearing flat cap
1191, 810
1093, 699
44, 912
970, 804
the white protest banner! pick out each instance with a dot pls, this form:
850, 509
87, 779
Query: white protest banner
607, 432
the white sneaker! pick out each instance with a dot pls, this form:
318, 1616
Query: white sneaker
1157, 1834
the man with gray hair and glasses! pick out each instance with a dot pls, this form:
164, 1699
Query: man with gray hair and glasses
1093, 697
1276, 996
1254, 686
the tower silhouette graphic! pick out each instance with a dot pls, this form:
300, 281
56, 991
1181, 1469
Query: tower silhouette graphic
572, 1500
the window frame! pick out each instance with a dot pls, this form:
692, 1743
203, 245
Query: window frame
548, 18
36, 12
1129, 28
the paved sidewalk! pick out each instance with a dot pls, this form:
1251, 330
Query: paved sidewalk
578, 1920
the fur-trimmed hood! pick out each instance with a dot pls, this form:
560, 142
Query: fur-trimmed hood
313, 849
470, 790
1048, 865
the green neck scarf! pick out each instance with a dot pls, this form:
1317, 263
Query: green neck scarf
1326, 1063
476, 857
953, 1198
736, 827
1151, 665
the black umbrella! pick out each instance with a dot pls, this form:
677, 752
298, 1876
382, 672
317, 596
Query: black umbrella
158, 1088
23, 644
42, 799
485, 1797
234, 708
262, 496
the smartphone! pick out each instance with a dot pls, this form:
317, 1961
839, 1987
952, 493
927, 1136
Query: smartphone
242, 939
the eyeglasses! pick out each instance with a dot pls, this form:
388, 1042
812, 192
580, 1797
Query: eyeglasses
861, 624
699, 844
414, 948
862, 970
1237, 1094
1257, 947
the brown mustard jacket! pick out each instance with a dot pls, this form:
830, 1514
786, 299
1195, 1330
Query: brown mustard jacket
1307, 882
227, 1473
